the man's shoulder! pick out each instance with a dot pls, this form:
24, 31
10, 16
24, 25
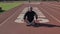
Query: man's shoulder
33, 11
27, 11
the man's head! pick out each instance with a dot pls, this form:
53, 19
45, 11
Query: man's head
30, 8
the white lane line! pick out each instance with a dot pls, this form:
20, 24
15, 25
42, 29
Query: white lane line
41, 16
20, 17
43, 20
53, 4
52, 16
8, 18
35, 3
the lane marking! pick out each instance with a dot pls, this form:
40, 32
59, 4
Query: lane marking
8, 18
41, 17
53, 4
52, 16
20, 17
40, 14
33, 3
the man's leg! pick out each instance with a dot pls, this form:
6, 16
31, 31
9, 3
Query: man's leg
33, 22
28, 22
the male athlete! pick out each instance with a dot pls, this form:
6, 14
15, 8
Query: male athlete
29, 16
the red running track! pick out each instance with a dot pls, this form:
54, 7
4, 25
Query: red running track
53, 27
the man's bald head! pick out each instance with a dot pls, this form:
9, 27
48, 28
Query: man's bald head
30, 8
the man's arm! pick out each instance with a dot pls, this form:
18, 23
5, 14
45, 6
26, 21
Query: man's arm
36, 15
25, 20
25, 16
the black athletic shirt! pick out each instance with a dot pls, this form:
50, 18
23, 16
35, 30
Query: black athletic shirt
30, 15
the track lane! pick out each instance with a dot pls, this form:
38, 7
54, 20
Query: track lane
51, 11
10, 27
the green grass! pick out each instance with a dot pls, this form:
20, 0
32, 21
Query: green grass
7, 6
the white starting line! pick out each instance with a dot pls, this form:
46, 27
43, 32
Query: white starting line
41, 17
35, 3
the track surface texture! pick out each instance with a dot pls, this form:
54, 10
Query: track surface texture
50, 9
